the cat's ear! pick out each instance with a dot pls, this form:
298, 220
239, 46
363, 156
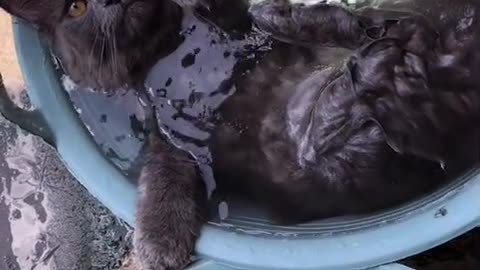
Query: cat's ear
36, 12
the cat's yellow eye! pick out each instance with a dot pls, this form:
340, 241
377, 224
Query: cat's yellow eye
77, 8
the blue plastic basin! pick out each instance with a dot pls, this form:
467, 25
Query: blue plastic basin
251, 242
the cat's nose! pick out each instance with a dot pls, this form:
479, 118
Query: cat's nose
108, 2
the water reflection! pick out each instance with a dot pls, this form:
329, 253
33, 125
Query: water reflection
187, 87
115, 121
187, 96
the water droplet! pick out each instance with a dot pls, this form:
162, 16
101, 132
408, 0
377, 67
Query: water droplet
441, 212
103, 118
16, 214
443, 165
188, 60
162, 92
168, 82
195, 97
223, 210
120, 138
178, 104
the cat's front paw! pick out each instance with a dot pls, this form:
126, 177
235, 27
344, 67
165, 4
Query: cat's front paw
161, 252
165, 233
170, 209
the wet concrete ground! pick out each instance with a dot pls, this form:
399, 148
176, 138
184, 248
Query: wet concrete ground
47, 219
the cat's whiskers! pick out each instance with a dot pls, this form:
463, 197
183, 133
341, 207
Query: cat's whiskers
110, 37
92, 51
102, 54
114, 50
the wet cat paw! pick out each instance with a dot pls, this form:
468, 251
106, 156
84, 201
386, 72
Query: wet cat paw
161, 252
170, 209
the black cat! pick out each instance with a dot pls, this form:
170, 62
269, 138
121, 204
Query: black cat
347, 112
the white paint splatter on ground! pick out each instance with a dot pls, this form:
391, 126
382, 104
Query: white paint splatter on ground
26, 204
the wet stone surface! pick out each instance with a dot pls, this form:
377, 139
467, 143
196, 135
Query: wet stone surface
47, 219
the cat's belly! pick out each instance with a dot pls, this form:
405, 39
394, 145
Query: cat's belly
223, 123
189, 89
211, 106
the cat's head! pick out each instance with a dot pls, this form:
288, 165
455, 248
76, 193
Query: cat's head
104, 44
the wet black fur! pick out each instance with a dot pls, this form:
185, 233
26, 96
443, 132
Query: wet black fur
351, 132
